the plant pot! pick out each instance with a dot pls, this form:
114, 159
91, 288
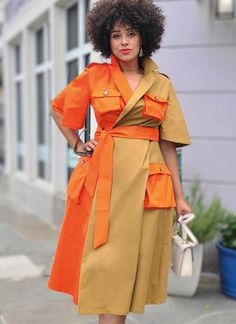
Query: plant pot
187, 286
227, 265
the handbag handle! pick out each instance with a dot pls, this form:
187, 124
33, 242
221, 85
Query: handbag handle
186, 232
184, 219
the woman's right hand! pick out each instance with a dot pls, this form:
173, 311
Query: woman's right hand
86, 148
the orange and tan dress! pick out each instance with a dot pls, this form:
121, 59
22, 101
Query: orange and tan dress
113, 251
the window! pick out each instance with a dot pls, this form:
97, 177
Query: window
72, 27
87, 7
77, 56
43, 120
18, 59
39, 46
88, 117
19, 113
72, 70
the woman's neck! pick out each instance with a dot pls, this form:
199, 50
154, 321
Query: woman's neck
130, 67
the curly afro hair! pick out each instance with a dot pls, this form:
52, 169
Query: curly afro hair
141, 15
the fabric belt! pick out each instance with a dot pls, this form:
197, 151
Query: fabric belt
100, 172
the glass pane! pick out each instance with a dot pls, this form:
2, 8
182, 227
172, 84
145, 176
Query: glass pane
86, 59
41, 169
20, 163
69, 171
87, 7
72, 70
88, 116
39, 46
40, 108
19, 112
19, 127
48, 42
49, 126
88, 125
72, 27
72, 159
1, 71
42, 147
17, 59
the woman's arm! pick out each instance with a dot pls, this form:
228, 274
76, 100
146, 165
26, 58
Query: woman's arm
70, 134
169, 153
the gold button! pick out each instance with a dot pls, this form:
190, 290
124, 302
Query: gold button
82, 161
156, 98
106, 92
161, 169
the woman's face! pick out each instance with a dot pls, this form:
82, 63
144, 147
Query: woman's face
125, 42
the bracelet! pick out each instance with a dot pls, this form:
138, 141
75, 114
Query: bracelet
76, 144
84, 153
78, 139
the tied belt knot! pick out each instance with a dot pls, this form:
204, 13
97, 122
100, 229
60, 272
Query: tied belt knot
100, 172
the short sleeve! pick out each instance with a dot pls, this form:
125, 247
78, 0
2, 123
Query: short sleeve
73, 101
174, 128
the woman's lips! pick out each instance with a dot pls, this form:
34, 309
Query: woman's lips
125, 51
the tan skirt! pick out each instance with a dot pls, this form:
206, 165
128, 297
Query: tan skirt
131, 269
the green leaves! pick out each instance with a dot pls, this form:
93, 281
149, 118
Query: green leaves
229, 232
210, 218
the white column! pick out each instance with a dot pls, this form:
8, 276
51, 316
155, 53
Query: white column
59, 165
28, 106
8, 111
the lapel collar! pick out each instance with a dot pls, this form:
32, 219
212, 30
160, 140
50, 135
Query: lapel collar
119, 79
150, 74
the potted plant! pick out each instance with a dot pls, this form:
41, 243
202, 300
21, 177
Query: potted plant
227, 257
208, 221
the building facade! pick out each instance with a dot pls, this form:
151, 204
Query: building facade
46, 46
1, 92
198, 53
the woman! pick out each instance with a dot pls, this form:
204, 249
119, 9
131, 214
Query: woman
113, 251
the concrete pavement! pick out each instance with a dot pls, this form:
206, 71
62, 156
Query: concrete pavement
27, 245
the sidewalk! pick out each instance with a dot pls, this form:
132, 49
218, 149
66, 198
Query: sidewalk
27, 245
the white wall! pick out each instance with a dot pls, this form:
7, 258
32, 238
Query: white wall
199, 54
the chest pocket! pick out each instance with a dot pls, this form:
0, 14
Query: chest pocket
159, 190
77, 178
106, 100
154, 107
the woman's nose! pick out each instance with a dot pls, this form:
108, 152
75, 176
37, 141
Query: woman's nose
124, 40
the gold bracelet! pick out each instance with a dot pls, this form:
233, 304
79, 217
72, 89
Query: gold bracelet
76, 144
78, 141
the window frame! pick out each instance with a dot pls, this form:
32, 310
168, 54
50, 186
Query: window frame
18, 79
43, 151
80, 54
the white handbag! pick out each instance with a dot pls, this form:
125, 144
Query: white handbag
182, 247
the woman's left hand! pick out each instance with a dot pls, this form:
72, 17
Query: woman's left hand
182, 208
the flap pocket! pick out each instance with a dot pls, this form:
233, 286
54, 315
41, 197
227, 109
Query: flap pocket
77, 178
159, 190
106, 100
159, 168
154, 106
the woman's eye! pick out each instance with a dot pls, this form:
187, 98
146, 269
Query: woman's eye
116, 36
132, 34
